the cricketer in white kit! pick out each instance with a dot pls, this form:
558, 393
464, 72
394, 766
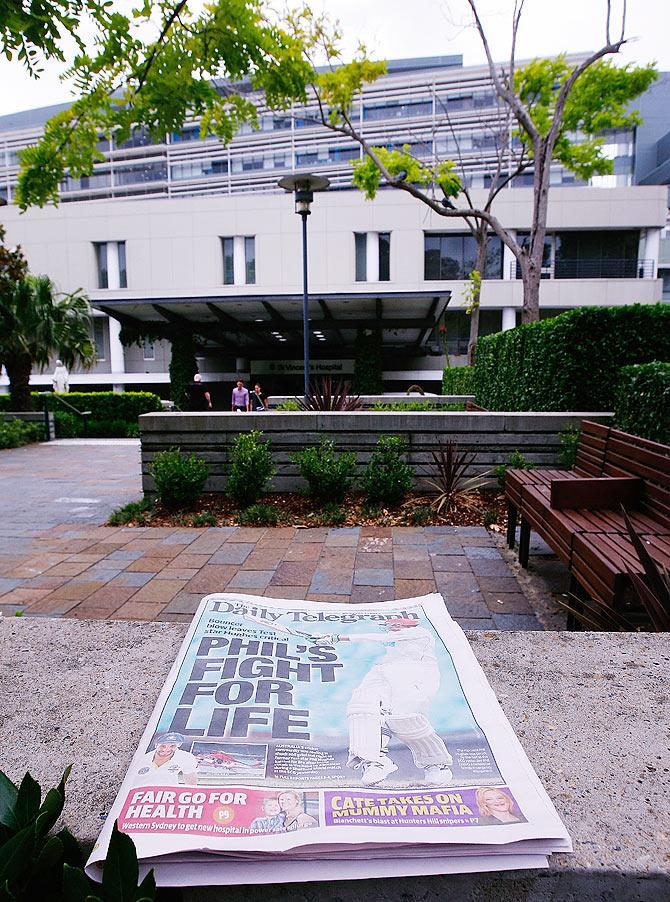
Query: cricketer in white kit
394, 699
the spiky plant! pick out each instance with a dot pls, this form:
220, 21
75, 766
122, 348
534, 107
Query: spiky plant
451, 483
328, 395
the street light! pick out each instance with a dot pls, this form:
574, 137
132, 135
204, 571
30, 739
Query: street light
303, 186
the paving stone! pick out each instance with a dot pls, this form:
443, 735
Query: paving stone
102, 574
110, 597
474, 623
336, 599
318, 534
124, 554
159, 591
68, 569
489, 568
10, 610
337, 559
251, 579
375, 543
371, 576
308, 551
498, 583
410, 553
297, 592
85, 557
232, 553
181, 537
246, 534
263, 560
376, 531
71, 591
212, 578
146, 564
450, 563
516, 622
409, 535
167, 552
294, 573
23, 596
371, 594
507, 603
459, 607
45, 582
482, 552
279, 535
378, 560
347, 536
186, 559
176, 573
476, 531
409, 588
131, 579
164, 617
183, 603
413, 570
50, 606
84, 612
456, 583
6, 585
326, 582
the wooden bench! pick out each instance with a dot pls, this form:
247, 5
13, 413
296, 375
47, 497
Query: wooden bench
579, 512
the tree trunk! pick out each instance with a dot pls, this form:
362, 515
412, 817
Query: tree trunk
531, 268
19, 367
482, 242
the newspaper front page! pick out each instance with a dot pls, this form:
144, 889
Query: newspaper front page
296, 740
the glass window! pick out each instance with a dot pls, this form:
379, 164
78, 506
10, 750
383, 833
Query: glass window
454, 256
99, 337
101, 264
606, 254
148, 350
123, 273
361, 243
228, 261
250, 261
384, 256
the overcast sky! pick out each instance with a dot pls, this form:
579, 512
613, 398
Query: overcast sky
396, 29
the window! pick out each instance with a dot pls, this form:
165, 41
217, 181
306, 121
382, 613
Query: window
384, 256
99, 337
123, 275
250, 261
361, 242
101, 264
228, 262
148, 351
454, 256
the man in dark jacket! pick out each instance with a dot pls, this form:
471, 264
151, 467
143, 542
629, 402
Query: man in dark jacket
198, 398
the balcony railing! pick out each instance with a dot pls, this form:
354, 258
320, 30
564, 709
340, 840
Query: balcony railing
593, 269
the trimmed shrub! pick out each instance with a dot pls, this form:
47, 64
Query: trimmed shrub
113, 415
387, 478
569, 362
516, 461
327, 473
179, 478
368, 362
416, 406
642, 401
567, 455
14, 433
458, 380
251, 468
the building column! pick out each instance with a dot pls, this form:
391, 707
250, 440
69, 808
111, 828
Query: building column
239, 261
372, 256
508, 318
651, 250
113, 273
509, 270
117, 358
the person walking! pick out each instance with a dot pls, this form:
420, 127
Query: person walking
258, 400
197, 396
240, 398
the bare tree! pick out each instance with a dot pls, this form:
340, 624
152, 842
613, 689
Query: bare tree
539, 104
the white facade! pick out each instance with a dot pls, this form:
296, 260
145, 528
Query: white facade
173, 252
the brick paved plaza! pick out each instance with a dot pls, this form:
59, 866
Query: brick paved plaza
56, 559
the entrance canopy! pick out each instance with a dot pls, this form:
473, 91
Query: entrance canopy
271, 324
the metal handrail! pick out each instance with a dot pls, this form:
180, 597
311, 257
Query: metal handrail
615, 268
85, 414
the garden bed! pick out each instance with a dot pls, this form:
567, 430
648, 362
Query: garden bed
477, 508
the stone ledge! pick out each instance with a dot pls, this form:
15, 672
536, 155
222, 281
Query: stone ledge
590, 709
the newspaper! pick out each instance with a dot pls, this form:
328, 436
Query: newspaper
296, 740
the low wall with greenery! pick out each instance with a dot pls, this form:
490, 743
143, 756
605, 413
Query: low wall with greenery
642, 401
492, 437
458, 380
569, 362
112, 414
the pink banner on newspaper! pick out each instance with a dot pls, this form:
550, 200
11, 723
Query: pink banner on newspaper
230, 811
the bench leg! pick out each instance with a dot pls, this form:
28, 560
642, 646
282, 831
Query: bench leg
524, 543
511, 524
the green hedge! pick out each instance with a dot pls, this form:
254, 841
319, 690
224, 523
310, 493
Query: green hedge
642, 401
569, 362
458, 380
113, 415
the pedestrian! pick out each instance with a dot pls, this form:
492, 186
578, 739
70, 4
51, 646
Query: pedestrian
258, 400
197, 396
240, 400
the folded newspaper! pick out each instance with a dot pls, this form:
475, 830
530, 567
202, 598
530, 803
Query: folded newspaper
296, 740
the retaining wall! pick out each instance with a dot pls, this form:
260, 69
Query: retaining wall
369, 401
36, 418
492, 437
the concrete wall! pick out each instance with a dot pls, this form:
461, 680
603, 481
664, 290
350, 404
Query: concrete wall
588, 709
36, 419
491, 436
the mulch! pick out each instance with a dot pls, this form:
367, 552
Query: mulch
477, 508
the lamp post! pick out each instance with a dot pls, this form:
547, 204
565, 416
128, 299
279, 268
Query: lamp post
303, 187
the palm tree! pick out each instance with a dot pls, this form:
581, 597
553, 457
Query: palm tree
36, 323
